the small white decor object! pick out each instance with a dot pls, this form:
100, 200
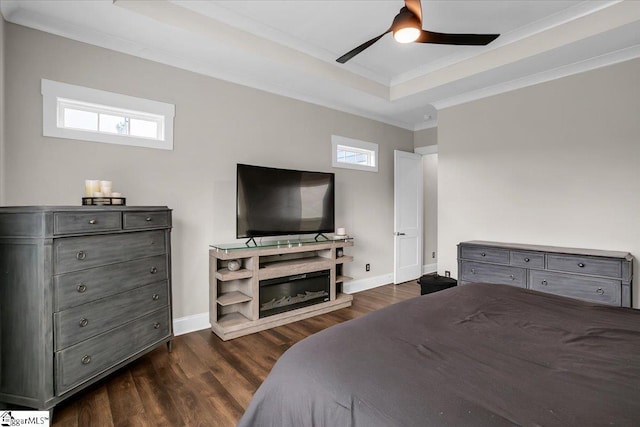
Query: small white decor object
340, 231
233, 265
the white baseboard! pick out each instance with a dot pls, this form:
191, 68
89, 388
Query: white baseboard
429, 268
360, 285
192, 323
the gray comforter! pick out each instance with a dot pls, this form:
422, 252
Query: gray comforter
474, 355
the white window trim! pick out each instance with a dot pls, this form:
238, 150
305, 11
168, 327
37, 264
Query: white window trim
337, 140
52, 92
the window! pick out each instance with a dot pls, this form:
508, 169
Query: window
77, 112
354, 154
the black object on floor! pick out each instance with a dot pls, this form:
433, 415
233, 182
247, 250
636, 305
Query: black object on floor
433, 283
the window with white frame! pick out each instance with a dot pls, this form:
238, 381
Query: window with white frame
81, 113
354, 154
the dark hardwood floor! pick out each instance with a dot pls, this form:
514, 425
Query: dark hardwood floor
204, 381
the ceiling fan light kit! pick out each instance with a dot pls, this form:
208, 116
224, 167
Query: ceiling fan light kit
407, 28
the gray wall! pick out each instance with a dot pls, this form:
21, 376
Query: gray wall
555, 164
217, 125
425, 137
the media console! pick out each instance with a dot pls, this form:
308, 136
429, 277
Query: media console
298, 279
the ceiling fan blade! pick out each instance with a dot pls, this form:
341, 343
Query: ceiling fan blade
456, 39
415, 7
347, 56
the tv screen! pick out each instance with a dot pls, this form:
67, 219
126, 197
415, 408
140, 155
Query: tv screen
278, 202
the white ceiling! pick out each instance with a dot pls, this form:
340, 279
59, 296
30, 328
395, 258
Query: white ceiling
289, 47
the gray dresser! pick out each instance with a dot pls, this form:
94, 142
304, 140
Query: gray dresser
593, 275
83, 291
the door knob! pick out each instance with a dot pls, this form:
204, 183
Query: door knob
397, 233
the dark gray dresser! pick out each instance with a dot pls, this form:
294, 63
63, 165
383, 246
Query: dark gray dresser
592, 275
83, 291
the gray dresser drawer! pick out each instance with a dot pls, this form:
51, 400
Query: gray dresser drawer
78, 253
84, 361
79, 323
527, 259
86, 222
81, 287
498, 274
604, 291
487, 254
134, 220
585, 265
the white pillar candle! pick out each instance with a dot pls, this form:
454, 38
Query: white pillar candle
91, 186
341, 231
105, 188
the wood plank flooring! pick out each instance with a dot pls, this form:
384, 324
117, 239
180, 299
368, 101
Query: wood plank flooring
205, 381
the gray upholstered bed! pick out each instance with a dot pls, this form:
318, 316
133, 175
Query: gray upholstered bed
474, 355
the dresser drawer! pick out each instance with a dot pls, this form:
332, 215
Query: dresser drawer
81, 287
78, 253
586, 265
79, 323
133, 220
487, 254
83, 361
526, 259
498, 274
604, 291
86, 222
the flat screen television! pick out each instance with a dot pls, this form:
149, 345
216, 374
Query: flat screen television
279, 202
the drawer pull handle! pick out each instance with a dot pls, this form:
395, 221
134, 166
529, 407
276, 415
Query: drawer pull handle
153, 270
81, 288
148, 219
81, 255
83, 322
155, 297
600, 291
93, 221
512, 277
483, 254
544, 283
527, 260
86, 359
473, 271
580, 264
156, 325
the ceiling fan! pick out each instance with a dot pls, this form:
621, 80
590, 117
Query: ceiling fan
407, 28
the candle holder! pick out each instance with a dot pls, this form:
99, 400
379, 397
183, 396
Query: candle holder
104, 201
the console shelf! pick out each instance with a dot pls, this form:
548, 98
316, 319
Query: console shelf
234, 296
231, 320
226, 275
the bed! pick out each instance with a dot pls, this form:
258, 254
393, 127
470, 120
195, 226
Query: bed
473, 355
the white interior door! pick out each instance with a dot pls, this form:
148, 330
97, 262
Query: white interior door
408, 210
